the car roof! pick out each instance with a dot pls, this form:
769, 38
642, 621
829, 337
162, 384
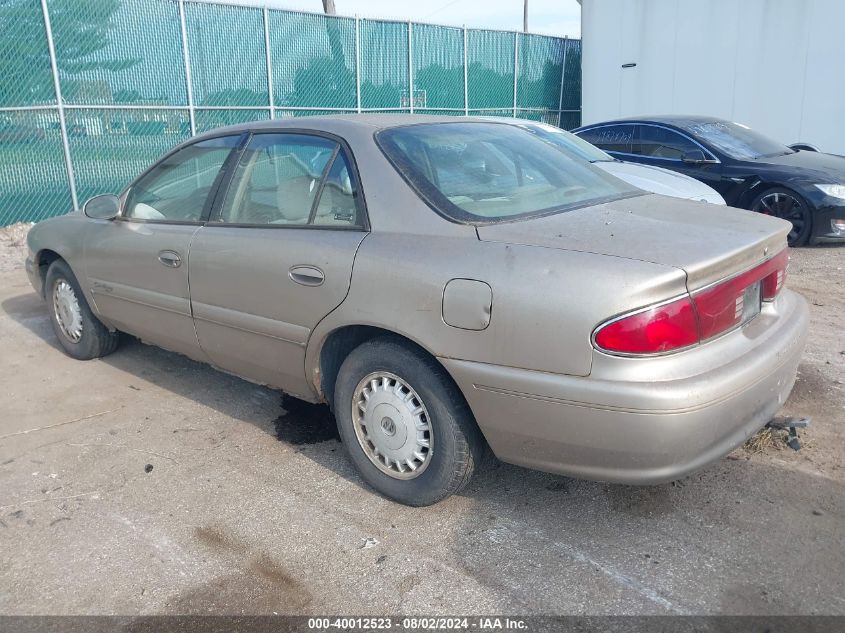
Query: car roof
340, 123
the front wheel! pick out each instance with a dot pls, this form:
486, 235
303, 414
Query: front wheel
81, 334
787, 205
405, 424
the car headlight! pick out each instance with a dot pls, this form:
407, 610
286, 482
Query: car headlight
834, 191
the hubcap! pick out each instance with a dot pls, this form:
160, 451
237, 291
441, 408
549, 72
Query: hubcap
392, 425
67, 311
782, 205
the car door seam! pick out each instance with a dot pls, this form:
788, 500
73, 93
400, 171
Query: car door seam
188, 280
330, 312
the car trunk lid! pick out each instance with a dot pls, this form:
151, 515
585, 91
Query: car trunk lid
708, 242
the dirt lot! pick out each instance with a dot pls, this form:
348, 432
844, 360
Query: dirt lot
146, 483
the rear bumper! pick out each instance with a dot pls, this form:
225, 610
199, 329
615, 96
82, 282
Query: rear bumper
641, 421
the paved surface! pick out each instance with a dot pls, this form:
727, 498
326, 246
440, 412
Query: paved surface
247, 510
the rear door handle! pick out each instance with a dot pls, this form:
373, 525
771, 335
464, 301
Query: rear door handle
171, 259
307, 275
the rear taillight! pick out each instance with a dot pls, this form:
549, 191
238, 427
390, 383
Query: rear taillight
658, 329
695, 318
774, 274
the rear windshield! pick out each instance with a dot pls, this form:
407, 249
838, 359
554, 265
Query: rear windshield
486, 172
736, 140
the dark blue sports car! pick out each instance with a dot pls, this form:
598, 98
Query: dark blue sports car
750, 170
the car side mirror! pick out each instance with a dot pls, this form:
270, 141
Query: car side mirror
103, 207
694, 157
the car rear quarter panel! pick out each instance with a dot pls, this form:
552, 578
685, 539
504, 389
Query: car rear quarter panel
546, 302
642, 420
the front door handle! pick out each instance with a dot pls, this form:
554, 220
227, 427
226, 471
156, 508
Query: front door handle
171, 259
307, 275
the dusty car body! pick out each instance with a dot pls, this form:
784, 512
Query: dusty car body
615, 337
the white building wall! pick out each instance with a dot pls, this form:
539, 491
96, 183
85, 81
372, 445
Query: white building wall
775, 65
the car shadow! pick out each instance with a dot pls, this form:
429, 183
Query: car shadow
292, 421
743, 536
30, 311
746, 535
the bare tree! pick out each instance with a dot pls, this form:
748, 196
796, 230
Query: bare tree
328, 7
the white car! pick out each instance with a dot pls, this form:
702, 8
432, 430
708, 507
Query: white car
646, 177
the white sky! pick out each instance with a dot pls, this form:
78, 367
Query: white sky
550, 17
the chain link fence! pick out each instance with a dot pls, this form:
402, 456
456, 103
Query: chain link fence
92, 91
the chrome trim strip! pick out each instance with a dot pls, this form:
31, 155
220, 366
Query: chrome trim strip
141, 296
742, 272
691, 296
251, 323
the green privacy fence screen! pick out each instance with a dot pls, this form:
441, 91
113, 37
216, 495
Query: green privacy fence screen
92, 91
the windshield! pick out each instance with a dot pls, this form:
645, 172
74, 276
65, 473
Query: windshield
736, 140
486, 172
568, 141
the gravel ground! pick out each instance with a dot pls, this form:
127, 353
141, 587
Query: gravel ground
145, 483
13, 245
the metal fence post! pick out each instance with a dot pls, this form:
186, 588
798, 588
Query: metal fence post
187, 61
357, 63
411, 65
466, 75
562, 80
60, 106
269, 62
515, 67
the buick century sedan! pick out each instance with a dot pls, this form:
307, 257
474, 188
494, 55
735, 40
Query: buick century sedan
447, 286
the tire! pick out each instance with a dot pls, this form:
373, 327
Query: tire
789, 206
412, 376
86, 338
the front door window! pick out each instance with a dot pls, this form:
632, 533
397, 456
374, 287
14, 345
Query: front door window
177, 189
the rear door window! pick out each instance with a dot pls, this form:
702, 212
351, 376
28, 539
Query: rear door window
288, 179
337, 206
611, 138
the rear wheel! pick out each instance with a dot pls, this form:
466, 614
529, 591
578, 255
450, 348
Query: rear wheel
787, 205
80, 333
405, 425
